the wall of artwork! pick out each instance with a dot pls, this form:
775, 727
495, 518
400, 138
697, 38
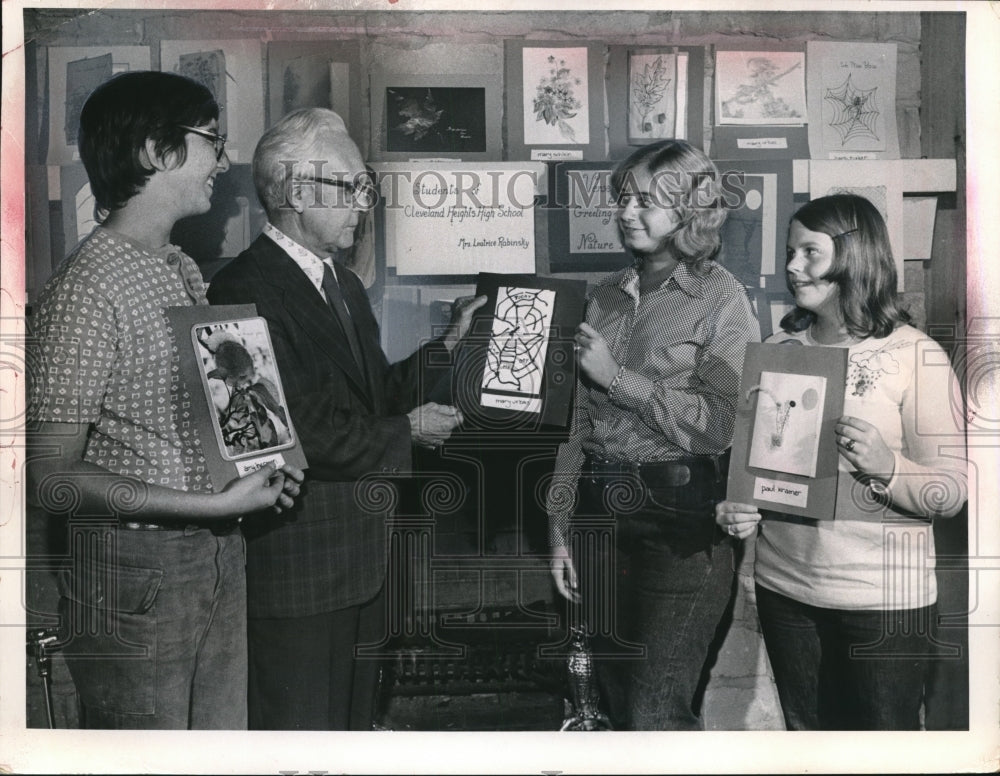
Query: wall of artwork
538, 105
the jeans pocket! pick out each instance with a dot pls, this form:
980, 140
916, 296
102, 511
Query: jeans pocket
108, 635
683, 517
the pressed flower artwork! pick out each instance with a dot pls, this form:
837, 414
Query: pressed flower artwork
652, 97
556, 106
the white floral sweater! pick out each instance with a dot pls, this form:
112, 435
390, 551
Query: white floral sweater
878, 553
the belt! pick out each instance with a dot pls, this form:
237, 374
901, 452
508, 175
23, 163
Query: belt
674, 473
218, 527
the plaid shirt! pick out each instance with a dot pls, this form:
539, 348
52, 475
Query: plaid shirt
681, 350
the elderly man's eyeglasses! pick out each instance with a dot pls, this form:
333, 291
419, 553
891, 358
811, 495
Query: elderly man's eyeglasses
219, 141
364, 195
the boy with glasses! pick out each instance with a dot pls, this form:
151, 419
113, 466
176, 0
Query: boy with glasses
153, 595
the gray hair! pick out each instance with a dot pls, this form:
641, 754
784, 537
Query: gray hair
289, 147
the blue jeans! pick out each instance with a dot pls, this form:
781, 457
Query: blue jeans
839, 669
656, 578
153, 627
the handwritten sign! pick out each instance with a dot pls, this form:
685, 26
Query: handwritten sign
790, 493
459, 219
592, 224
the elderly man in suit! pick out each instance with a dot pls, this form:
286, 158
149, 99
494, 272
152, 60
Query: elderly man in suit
315, 580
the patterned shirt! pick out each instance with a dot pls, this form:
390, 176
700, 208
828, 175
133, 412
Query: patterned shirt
309, 262
107, 359
681, 349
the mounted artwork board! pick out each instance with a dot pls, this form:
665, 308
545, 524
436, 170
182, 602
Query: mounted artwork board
628, 63
583, 224
240, 411
555, 100
234, 71
448, 116
315, 73
516, 367
74, 72
759, 110
852, 100
784, 454
753, 234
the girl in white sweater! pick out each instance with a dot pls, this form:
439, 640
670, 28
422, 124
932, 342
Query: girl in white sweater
847, 605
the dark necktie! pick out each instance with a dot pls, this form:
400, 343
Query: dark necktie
336, 299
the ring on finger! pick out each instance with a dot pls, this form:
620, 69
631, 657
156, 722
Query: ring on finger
849, 445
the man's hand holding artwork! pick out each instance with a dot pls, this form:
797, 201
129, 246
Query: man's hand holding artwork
463, 308
431, 424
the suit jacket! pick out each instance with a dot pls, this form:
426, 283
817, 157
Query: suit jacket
329, 552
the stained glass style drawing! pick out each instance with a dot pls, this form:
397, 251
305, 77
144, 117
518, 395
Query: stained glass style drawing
515, 356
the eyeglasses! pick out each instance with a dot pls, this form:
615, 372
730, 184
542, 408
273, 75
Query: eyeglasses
364, 195
219, 141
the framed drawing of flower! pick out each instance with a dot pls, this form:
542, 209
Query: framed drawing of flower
555, 100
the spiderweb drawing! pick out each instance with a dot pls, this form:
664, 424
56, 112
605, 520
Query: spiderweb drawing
516, 353
855, 111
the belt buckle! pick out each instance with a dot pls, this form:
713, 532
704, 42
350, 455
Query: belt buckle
671, 474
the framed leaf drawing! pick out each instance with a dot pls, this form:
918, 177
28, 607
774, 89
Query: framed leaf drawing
228, 366
654, 93
652, 97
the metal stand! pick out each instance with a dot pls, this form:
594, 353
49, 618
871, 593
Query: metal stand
39, 641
